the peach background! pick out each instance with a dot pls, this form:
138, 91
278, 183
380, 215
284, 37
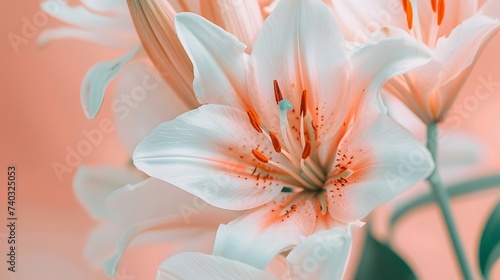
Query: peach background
41, 115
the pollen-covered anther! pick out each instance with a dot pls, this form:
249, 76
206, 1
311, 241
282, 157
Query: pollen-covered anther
277, 92
409, 12
440, 11
254, 120
260, 156
276, 142
307, 150
303, 103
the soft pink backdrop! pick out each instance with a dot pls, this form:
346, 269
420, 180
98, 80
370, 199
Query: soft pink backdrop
41, 115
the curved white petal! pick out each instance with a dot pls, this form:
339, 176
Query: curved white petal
208, 152
155, 211
107, 5
201, 266
219, 64
384, 159
257, 237
93, 184
82, 17
323, 255
240, 18
389, 52
142, 101
100, 244
107, 38
96, 81
459, 53
301, 47
154, 232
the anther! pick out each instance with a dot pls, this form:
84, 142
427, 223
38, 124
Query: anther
409, 13
276, 142
254, 120
440, 11
303, 103
277, 92
261, 157
307, 150
433, 5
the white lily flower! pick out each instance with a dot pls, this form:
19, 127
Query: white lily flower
315, 153
455, 32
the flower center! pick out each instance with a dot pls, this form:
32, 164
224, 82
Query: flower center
300, 165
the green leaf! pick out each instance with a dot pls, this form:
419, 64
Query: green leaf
489, 247
453, 191
379, 261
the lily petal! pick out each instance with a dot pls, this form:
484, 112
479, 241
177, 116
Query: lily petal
385, 160
459, 53
257, 237
82, 17
158, 211
154, 20
201, 266
240, 18
208, 152
96, 81
140, 101
323, 255
302, 58
104, 6
219, 65
373, 66
93, 184
107, 38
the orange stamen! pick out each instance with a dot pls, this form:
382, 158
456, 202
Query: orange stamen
440, 11
277, 92
261, 157
433, 5
303, 103
409, 13
307, 150
276, 142
254, 120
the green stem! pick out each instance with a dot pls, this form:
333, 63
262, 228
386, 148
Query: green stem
443, 200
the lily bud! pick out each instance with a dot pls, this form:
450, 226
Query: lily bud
154, 21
